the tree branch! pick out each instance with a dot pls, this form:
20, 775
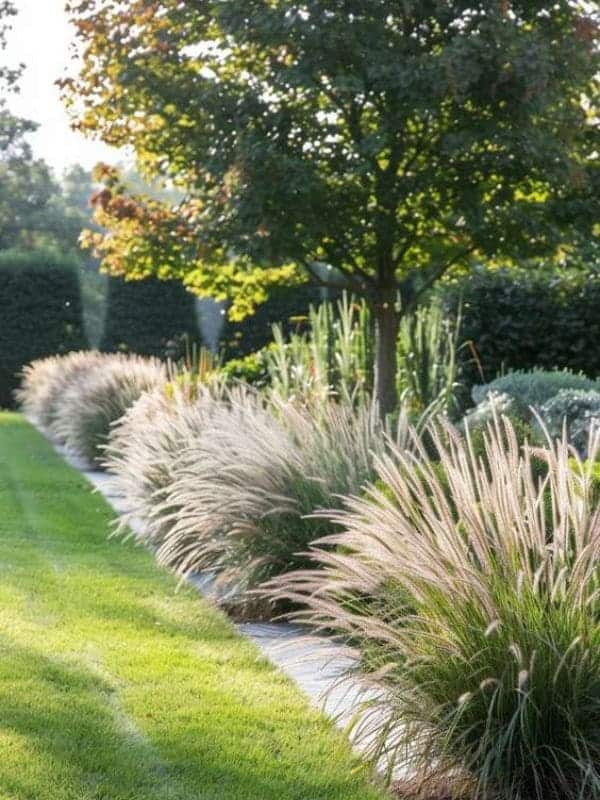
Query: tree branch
358, 276
324, 283
434, 277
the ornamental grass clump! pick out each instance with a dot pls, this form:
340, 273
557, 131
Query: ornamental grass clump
144, 446
470, 592
98, 397
45, 381
333, 357
35, 377
245, 486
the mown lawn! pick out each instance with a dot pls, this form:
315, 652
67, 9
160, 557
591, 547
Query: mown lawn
114, 686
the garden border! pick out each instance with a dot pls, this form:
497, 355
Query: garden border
313, 662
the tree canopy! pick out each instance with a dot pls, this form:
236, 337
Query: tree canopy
372, 145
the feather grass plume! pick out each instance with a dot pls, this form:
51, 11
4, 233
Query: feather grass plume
469, 589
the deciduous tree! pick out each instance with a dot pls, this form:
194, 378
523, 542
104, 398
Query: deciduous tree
375, 145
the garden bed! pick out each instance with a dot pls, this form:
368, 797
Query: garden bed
312, 661
460, 567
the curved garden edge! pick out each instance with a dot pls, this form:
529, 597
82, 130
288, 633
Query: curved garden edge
313, 662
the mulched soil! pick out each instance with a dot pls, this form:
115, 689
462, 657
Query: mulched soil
427, 790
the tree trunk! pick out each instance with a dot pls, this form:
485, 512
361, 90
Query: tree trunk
387, 325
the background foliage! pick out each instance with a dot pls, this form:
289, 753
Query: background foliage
521, 319
40, 309
149, 317
287, 306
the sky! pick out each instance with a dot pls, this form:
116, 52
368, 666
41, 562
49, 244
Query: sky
40, 39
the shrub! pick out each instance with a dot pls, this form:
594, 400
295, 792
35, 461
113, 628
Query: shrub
533, 388
41, 312
250, 369
98, 397
516, 319
574, 411
94, 289
492, 405
149, 317
474, 610
485, 413
246, 484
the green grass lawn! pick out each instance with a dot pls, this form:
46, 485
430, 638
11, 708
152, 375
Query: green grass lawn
114, 686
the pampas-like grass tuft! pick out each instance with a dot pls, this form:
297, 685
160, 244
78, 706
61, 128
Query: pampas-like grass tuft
45, 381
96, 398
144, 446
246, 485
470, 594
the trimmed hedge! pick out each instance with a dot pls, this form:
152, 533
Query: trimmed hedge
40, 312
149, 317
518, 320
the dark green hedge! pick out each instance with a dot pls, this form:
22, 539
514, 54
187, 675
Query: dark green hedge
287, 305
150, 317
517, 319
40, 312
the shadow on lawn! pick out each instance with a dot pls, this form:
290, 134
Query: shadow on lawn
211, 720
80, 743
79, 740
